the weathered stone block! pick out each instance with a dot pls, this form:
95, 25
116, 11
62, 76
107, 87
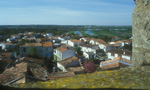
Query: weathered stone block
141, 33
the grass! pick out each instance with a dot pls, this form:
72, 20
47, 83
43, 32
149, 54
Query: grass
123, 78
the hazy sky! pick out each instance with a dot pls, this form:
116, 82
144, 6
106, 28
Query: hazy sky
66, 12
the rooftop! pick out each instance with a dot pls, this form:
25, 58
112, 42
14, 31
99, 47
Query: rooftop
75, 41
68, 60
75, 69
116, 63
5, 54
47, 44
61, 49
29, 59
123, 52
43, 44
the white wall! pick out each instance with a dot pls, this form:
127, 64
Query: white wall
109, 56
61, 67
3, 46
86, 55
70, 43
127, 57
92, 42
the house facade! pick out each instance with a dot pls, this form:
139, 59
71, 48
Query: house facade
63, 53
44, 49
115, 63
74, 42
68, 62
89, 55
116, 53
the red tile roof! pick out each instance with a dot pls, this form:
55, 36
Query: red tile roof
61, 49
128, 53
6, 54
68, 60
47, 44
100, 41
115, 63
76, 41
43, 44
29, 59
75, 69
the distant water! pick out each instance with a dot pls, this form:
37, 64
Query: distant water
89, 32
78, 33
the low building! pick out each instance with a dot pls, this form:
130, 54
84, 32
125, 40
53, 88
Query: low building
85, 39
89, 55
22, 73
44, 49
116, 53
68, 62
3, 45
115, 63
90, 48
74, 42
63, 53
121, 43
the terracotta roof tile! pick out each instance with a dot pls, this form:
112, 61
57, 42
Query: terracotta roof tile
47, 44
20, 68
75, 41
61, 49
114, 64
29, 59
6, 54
32, 44
100, 41
75, 69
128, 53
68, 60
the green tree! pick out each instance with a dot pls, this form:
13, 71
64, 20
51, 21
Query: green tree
32, 52
22, 42
78, 50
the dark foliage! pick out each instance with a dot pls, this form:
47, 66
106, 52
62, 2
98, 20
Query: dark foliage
89, 66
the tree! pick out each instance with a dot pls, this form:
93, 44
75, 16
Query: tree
78, 50
32, 52
22, 42
89, 66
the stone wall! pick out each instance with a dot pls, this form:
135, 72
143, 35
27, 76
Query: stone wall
141, 33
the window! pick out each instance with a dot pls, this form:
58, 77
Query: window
24, 49
112, 54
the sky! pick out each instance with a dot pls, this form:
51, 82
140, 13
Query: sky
66, 12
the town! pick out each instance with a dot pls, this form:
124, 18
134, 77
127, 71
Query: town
30, 56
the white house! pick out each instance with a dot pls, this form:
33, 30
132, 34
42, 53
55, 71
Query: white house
68, 62
116, 53
121, 43
74, 42
63, 53
89, 55
115, 63
61, 38
44, 49
102, 44
85, 39
107, 47
3, 45
90, 48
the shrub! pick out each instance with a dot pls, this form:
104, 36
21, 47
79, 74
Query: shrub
89, 66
